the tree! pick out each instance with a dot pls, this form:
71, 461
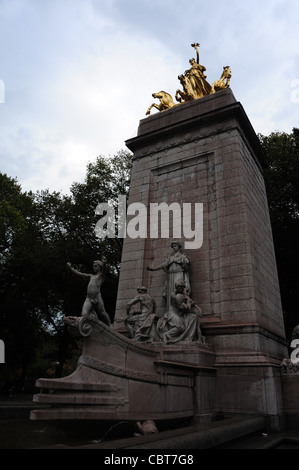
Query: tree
68, 227
19, 323
39, 234
282, 183
105, 180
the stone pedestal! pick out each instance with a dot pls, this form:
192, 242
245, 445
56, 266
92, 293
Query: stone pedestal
120, 379
207, 152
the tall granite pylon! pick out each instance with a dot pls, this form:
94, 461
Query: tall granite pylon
206, 152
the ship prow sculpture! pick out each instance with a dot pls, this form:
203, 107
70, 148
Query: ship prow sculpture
148, 375
118, 378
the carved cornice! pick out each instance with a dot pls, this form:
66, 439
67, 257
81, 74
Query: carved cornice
168, 132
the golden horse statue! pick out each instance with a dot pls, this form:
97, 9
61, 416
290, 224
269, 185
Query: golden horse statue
224, 80
188, 94
166, 101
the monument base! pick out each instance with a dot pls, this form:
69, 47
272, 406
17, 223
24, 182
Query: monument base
120, 379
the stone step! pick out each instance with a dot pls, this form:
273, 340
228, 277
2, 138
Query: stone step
90, 412
78, 399
54, 384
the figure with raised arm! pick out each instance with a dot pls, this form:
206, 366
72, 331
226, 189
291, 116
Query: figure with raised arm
197, 76
94, 301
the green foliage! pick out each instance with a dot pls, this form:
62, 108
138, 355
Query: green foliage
15, 209
282, 176
282, 183
39, 234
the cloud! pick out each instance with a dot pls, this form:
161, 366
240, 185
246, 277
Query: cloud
84, 106
79, 74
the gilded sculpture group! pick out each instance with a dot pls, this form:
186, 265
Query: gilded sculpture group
194, 85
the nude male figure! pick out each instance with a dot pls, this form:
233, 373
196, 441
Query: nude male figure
94, 299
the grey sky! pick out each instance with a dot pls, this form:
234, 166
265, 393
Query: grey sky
79, 74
